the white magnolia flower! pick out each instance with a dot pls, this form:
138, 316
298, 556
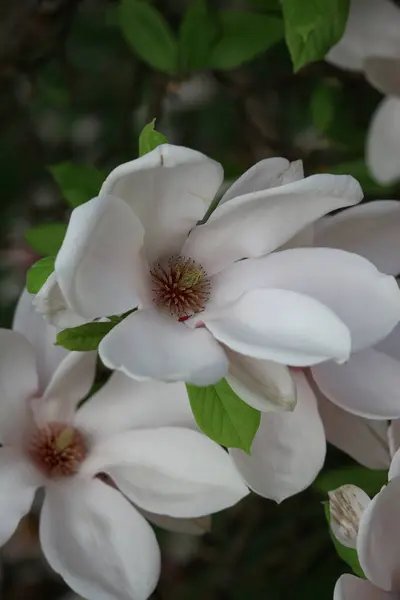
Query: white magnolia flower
371, 43
201, 307
127, 434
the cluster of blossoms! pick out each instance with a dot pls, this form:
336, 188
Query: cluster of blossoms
297, 310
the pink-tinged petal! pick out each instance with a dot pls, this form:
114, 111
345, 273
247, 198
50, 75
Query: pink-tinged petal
367, 301
195, 526
350, 587
99, 266
288, 450
383, 145
151, 345
169, 471
372, 29
98, 542
257, 223
367, 385
266, 174
365, 440
378, 541
282, 326
170, 190
123, 403
41, 335
263, 384
18, 483
50, 303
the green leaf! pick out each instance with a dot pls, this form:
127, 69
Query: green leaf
223, 416
323, 102
149, 35
78, 183
313, 27
84, 337
198, 32
46, 239
349, 555
39, 273
244, 35
150, 138
370, 480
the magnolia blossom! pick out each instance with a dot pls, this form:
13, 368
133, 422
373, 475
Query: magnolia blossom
371, 43
222, 298
126, 452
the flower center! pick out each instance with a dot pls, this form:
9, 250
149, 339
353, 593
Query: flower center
180, 286
57, 449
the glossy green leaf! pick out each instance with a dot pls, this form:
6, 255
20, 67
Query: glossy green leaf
46, 239
349, 555
313, 27
84, 337
78, 183
38, 274
223, 416
149, 35
369, 480
150, 138
243, 36
198, 32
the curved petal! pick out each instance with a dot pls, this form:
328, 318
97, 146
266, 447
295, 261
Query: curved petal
378, 541
257, 223
123, 403
371, 230
263, 384
18, 483
152, 345
288, 450
169, 471
349, 587
383, 73
282, 326
367, 301
367, 385
394, 470
372, 27
383, 142
41, 335
195, 526
170, 190
266, 174
98, 542
99, 267
50, 303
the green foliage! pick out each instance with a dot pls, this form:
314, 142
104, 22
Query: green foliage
38, 274
149, 35
369, 480
150, 138
46, 239
85, 337
323, 105
349, 555
78, 183
244, 35
313, 27
223, 416
198, 33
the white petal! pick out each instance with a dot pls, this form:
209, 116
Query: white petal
263, 384
101, 546
195, 526
365, 440
170, 190
123, 403
349, 587
266, 174
383, 73
391, 344
42, 337
170, 471
346, 505
378, 542
394, 470
288, 450
368, 385
371, 230
257, 223
99, 267
50, 303
151, 345
282, 326
18, 483
372, 28
367, 301
383, 142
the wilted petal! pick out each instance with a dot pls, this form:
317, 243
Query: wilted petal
349, 587
346, 505
383, 141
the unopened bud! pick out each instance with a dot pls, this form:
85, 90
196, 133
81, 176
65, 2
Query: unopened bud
346, 505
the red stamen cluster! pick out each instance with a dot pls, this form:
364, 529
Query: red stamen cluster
180, 286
